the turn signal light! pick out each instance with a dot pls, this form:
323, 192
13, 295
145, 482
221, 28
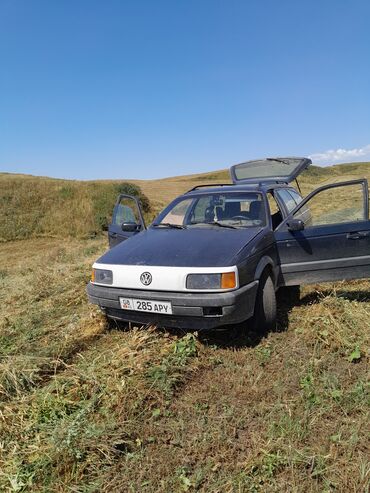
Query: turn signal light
228, 280
93, 275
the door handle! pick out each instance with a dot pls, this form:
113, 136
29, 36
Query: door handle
357, 236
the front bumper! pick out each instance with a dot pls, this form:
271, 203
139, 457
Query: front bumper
190, 310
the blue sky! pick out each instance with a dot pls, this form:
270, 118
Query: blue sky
147, 89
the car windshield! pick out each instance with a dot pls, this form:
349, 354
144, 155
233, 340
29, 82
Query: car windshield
218, 210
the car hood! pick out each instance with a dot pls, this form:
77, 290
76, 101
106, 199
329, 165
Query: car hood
198, 247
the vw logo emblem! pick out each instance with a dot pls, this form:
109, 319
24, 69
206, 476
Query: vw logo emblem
146, 278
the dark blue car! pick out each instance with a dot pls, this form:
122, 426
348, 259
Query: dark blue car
217, 254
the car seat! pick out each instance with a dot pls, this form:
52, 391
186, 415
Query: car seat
255, 210
231, 209
219, 213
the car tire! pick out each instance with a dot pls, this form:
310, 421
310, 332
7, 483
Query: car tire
111, 323
264, 317
290, 293
115, 324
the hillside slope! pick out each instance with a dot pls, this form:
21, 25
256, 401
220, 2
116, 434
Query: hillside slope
160, 192
38, 206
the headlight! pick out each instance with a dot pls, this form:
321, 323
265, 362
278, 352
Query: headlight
102, 276
211, 281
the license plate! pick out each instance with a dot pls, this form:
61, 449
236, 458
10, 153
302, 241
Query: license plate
163, 307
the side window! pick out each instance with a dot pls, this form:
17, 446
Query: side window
287, 199
341, 204
274, 208
275, 212
177, 214
296, 197
126, 212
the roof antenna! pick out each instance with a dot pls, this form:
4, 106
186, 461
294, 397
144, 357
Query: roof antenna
299, 188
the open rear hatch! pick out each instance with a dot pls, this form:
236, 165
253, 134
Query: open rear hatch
279, 170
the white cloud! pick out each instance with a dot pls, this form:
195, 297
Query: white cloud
341, 155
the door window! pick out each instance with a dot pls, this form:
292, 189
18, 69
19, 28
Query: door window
336, 205
126, 212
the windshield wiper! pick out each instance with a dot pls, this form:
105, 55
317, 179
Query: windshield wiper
216, 223
277, 160
169, 225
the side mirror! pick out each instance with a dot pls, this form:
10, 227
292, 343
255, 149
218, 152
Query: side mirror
295, 225
130, 227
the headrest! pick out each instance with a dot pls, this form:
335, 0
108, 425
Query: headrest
255, 208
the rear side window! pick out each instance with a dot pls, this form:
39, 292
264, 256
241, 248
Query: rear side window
288, 200
296, 197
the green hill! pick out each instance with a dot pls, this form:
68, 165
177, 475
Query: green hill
38, 206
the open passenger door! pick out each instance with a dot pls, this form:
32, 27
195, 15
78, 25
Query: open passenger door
127, 219
327, 236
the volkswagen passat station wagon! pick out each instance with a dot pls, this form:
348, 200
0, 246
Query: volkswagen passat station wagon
217, 254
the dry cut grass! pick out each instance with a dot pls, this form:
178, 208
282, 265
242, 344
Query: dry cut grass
88, 409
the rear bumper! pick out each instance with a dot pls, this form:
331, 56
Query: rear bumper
190, 310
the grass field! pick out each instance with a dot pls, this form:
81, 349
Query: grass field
85, 408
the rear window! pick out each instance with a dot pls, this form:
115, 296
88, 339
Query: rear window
268, 168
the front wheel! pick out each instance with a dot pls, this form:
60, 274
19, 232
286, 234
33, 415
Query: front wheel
264, 317
115, 324
290, 294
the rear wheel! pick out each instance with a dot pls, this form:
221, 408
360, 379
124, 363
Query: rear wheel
264, 317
